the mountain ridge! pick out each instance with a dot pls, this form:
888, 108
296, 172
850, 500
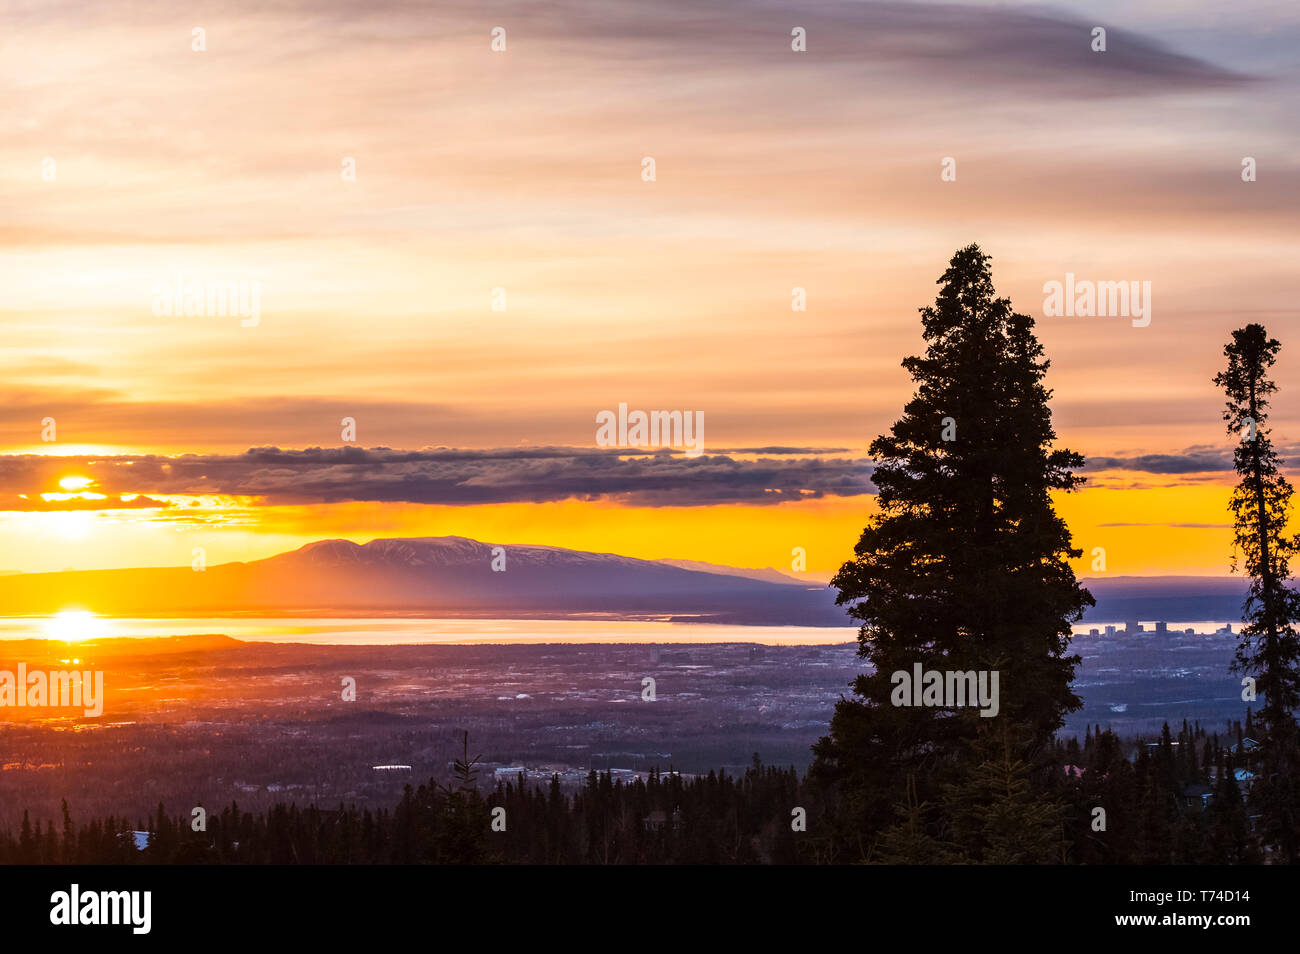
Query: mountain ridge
435, 576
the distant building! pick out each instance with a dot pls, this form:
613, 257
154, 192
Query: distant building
1110, 630
1245, 745
139, 839
1197, 795
1154, 747
1132, 627
1162, 626
657, 820
390, 768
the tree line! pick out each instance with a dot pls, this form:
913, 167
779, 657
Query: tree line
1157, 817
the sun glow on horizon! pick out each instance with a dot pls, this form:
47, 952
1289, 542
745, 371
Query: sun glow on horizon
74, 626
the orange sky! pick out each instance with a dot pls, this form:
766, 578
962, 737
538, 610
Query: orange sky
521, 170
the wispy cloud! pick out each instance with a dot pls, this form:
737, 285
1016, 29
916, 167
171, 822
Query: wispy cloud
1176, 526
78, 502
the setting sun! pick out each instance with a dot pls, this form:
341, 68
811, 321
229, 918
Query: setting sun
74, 626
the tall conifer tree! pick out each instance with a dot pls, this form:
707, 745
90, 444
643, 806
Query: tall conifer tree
965, 566
1269, 649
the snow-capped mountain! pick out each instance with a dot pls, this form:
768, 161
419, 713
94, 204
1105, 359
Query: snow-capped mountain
452, 576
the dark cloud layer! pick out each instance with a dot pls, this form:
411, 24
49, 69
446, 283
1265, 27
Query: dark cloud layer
1187, 462
449, 476
456, 477
1200, 459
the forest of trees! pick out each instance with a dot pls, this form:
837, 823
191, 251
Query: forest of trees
963, 568
1156, 814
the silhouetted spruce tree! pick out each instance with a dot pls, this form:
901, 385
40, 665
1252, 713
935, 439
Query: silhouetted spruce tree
466, 820
908, 842
1230, 841
69, 836
27, 842
1269, 648
997, 815
1157, 809
965, 567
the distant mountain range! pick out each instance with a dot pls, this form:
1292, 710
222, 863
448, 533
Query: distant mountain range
434, 576
453, 576
766, 575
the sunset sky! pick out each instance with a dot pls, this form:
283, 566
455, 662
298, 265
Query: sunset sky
521, 170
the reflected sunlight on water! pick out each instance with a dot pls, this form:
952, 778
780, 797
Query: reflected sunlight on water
76, 625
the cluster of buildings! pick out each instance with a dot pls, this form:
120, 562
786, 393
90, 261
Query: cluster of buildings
572, 775
1134, 628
